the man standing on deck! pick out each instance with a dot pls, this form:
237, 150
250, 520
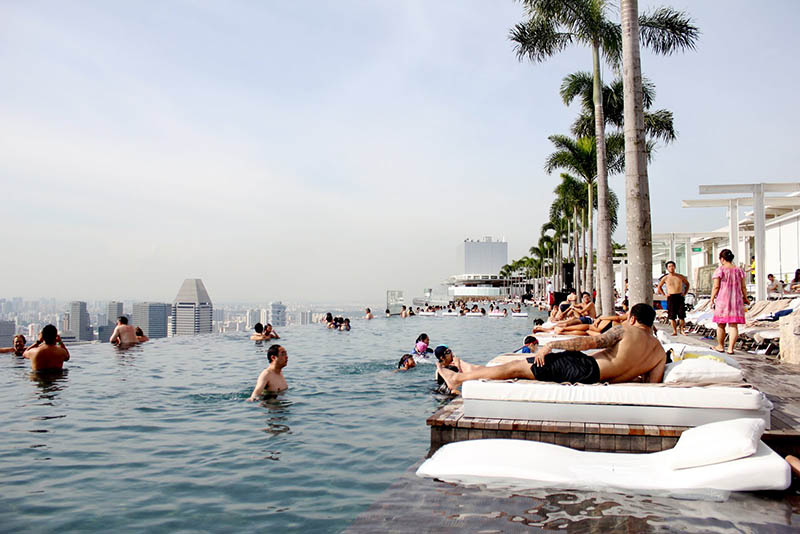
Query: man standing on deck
18, 348
49, 352
677, 287
124, 334
271, 379
630, 351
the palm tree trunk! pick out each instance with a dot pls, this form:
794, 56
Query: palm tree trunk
577, 272
605, 271
637, 187
584, 265
590, 243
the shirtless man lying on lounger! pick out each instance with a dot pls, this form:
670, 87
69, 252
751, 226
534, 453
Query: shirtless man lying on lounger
630, 351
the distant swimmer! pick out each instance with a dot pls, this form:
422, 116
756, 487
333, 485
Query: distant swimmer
630, 352
406, 362
271, 379
403, 312
18, 348
388, 312
49, 352
677, 287
259, 332
421, 348
140, 337
269, 333
124, 334
368, 314
345, 325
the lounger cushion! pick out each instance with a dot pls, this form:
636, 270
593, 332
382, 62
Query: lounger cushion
701, 370
716, 443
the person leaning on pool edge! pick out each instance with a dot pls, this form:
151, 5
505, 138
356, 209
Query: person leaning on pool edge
271, 379
19, 346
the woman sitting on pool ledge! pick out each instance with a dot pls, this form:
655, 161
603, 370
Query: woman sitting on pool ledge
630, 351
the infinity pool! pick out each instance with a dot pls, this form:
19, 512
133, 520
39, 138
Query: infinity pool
159, 438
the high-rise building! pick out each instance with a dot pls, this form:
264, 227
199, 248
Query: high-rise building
253, 317
7, 331
79, 321
151, 317
114, 312
192, 310
277, 314
305, 317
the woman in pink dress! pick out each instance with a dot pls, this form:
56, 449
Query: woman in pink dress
728, 299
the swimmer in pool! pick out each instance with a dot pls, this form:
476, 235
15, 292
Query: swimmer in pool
406, 362
529, 345
453, 364
18, 348
368, 314
269, 333
49, 352
271, 379
259, 335
123, 334
140, 337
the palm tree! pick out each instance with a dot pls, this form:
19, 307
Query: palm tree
578, 156
637, 187
658, 124
552, 25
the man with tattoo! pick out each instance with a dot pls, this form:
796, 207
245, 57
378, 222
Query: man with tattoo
629, 351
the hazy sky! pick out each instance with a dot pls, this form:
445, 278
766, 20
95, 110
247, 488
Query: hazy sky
328, 151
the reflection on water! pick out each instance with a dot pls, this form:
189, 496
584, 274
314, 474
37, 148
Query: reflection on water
50, 382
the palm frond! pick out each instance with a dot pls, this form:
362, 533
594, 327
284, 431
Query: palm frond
658, 124
666, 30
537, 39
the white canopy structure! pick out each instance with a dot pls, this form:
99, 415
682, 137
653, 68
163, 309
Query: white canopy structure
759, 202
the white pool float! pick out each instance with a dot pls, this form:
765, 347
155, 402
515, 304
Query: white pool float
519, 314
426, 314
727, 456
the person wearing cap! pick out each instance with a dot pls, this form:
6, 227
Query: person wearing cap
448, 360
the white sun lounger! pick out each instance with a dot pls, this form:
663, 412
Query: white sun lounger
640, 404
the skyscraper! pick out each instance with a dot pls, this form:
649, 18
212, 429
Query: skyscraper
151, 317
253, 316
79, 321
7, 331
277, 314
192, 310
114, 311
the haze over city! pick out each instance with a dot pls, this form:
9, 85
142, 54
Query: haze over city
331, 151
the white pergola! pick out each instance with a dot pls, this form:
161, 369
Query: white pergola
758, 201
674, 238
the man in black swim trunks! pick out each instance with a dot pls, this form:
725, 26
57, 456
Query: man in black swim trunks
677, 287
630, 351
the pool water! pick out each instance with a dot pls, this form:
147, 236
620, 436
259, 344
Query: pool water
160, 438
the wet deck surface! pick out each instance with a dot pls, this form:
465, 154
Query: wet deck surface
417, 505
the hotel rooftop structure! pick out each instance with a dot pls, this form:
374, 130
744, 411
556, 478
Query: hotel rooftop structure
481, 261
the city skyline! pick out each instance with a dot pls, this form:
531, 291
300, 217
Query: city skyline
146, 146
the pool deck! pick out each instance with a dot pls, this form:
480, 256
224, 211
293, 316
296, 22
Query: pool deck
780, 381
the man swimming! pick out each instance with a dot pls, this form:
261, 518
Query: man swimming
18, 348
629, 351
677, 287
368, 314
124, 334
49, 352
269, 333
271, 379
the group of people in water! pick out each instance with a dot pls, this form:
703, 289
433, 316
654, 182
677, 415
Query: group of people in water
49, 353
337, 323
